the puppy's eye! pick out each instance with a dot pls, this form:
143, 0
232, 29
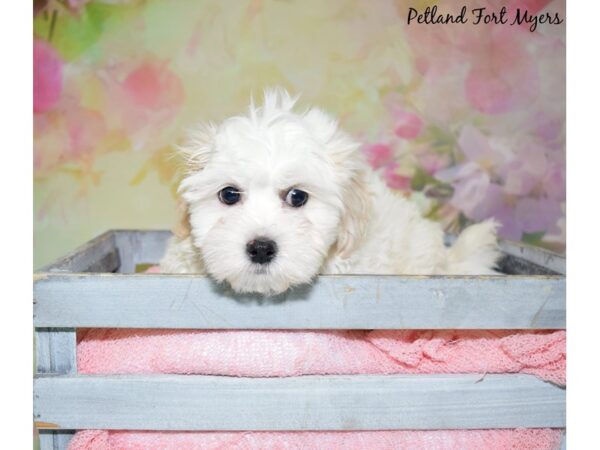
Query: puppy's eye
296, 198
229, 195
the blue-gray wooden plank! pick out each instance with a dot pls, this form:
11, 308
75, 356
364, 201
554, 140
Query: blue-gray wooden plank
55, 350
359, 402
332, 302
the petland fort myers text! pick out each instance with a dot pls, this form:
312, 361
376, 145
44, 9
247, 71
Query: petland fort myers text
477, 16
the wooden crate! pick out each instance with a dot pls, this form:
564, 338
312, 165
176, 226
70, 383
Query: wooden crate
96, 286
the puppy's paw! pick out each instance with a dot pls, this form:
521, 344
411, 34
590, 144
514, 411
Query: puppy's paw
181, 257
476, 250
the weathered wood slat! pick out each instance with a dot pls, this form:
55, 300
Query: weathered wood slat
140, 247
55, 353
98, 255
184, 402
332, 302
55, 440
519, 258
55, 350
543, 258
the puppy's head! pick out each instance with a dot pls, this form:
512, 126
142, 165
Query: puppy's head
271, 194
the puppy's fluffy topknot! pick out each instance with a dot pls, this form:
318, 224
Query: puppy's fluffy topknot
197, 148
277, 106
276, 102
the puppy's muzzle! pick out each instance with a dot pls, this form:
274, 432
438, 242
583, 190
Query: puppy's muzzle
261, 250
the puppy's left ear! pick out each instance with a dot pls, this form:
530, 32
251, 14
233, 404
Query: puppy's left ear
357, 206
343, 152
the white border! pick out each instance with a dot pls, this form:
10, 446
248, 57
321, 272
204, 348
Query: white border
16, 219
583, 176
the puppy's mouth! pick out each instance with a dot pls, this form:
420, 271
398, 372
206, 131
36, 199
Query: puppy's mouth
260, 269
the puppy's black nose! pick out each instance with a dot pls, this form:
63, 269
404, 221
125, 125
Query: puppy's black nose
261, 250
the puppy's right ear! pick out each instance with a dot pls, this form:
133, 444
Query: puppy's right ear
182, 229
198, 147
194, 154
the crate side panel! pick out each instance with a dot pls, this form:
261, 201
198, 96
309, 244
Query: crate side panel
331, 302
183, 402
55, 354
140, 247
527, 259
98, 255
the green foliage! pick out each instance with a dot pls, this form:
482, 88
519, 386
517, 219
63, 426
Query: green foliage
73, 33
533, 238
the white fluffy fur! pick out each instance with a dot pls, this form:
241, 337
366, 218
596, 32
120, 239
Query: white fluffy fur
352, 223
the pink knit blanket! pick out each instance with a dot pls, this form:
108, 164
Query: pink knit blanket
520, 439
275, 353
290, 353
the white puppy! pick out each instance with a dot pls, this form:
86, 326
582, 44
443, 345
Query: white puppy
273, 198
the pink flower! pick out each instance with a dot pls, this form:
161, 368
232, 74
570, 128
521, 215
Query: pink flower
393, 179
47, 76
153, 86
378, 155
76, 4
407, 125
503, 76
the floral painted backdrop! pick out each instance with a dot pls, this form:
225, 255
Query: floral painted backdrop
467, 120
